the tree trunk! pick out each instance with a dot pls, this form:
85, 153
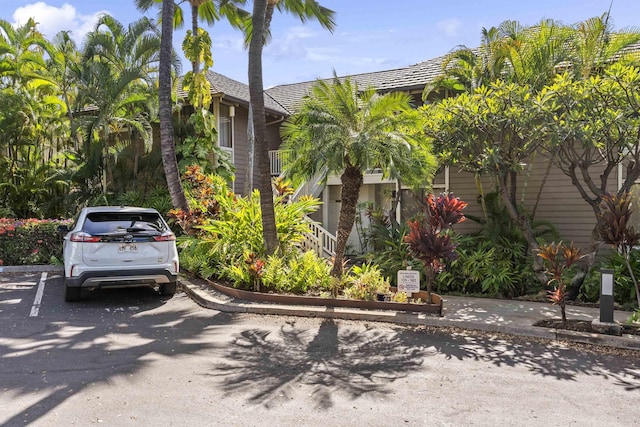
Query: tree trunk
251, 143
168, 148
256, 96
525, 226
195, 65
351, 182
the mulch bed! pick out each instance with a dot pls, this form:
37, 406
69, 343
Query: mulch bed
582, 326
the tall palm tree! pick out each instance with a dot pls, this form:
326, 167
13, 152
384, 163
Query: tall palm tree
349, 132
167, 145
595, 43
117, 77
260, 24
257, 111
208, 11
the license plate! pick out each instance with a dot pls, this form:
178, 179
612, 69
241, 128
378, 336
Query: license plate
127, 248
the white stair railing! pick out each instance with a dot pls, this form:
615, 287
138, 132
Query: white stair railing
312, 187
319, 240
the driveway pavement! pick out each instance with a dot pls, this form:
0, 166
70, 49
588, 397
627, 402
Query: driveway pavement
512, 317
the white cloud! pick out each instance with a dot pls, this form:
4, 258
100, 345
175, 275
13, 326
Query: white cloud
450, 26
53, 19
290, 45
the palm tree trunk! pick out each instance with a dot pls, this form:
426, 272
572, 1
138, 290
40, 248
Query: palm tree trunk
168, 148
256, 97
195, 65
351, 182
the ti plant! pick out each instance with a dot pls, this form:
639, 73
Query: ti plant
557, 260
429, 239
614, 227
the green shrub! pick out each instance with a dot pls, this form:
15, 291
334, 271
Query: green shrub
389, 250
500, 267
223, 238
30, 241
297, 273
624, 290
365, 282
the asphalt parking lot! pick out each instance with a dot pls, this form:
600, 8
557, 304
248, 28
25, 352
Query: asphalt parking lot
132, 357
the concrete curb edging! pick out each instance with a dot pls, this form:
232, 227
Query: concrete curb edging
206, 300
30, 268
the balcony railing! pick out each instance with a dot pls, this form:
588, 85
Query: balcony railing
278, 160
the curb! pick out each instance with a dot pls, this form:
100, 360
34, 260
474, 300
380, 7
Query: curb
30, 268
204, 299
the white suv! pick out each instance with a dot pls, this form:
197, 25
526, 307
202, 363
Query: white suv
110, 246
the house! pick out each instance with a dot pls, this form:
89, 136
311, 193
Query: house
553, 194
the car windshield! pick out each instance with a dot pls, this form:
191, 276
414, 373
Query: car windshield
115, 222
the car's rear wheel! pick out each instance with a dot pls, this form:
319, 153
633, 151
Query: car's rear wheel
168, 289
72, 294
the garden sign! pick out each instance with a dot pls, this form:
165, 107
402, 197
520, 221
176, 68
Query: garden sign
408, 281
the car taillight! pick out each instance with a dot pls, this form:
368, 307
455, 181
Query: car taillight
81, 236
165, 237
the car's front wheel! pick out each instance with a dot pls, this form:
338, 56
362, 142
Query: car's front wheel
168, 289
72, 294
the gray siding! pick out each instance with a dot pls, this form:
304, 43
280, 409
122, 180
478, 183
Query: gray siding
560, 203
240, 148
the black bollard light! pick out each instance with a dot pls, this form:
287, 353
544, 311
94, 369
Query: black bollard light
606, 295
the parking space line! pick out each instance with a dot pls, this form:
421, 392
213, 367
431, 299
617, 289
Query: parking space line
38, 299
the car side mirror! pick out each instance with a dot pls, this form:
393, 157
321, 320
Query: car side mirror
62, 230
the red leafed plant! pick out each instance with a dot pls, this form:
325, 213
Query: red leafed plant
558, 259
429, 239
614, 227
255, 268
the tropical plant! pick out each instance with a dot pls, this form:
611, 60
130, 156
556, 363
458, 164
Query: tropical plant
365, 282
116, 78
224, 230
388, 249
558, 260
614, 228
429, 239
30, 241
347, 132
624, 290
297, 273
592, 127
494, 132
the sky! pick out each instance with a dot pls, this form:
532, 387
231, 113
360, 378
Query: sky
371, 35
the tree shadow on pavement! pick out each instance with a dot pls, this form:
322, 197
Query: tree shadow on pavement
351, 362
47, 362
562, 361
342, 360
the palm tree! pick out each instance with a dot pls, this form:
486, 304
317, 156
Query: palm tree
256, 99
208, 11
260, 24
168, 148
349, 132
594, 44
117, 77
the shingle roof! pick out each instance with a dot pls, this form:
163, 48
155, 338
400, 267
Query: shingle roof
407, 78
235, 91
285, 99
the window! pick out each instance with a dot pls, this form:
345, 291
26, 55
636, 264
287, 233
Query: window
225, 133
